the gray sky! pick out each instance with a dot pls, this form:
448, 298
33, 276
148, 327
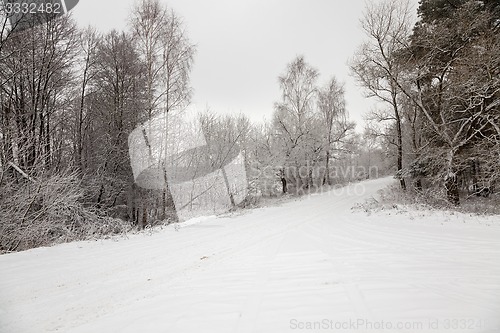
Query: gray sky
244, 45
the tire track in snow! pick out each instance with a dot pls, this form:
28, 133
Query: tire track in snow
304, 259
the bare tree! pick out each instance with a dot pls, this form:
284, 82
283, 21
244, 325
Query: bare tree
168, 56
148, 19
115, 110
225, 137
376, 65
294, 119
38, 78
7, 27
334, 116
167, 53
89, 42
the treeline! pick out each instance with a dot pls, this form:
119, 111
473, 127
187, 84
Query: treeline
440, 81
70, 98
310, 141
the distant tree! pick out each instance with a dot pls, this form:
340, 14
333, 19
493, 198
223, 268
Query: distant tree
294, 121
225, 137
265, 163
334, 121
371, 154
380, 125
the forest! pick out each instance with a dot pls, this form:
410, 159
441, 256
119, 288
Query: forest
71, 99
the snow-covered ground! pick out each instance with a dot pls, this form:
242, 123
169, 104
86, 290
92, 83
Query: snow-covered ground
308, 265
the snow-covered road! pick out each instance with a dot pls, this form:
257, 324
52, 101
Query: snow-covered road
307, 265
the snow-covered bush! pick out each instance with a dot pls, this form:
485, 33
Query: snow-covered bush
49, 210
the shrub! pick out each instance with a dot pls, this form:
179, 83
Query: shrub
431, 198
49, 211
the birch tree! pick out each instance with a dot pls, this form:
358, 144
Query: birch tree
334, 117
168, 57
294, 121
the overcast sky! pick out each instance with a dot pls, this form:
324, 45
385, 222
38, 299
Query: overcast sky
244, 45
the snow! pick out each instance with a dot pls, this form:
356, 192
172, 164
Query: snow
308, 265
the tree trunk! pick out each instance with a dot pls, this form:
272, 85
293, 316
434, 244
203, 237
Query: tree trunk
451, 180
400, 147
326, 179
283, 181
79, 122
475, 174
399, 134
452, 194
144, 220
310, 181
